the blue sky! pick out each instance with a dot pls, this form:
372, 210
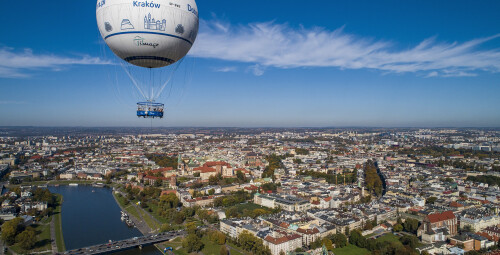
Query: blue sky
265, 63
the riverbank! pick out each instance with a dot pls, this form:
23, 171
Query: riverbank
136, 214
49, 236
57, 224
133, 214
55, 183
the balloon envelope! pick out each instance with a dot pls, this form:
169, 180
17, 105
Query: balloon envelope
148, 33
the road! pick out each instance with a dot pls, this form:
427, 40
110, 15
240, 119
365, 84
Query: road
127, 244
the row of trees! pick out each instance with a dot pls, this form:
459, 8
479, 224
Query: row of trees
330, 177
163, 160
192, 242
14, 231
410, 225
234, 212
250, 243
274, 163
410, 242
372, 179
489, 179
235, 198
436, 152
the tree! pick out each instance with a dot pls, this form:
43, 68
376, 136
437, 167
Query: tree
10, 229
327, 243
192, 243
232, 212
340, 240
27, 239
212, 180
430, 200
398, 228
249, 242
368, 225
467, 228
410, 240
191, 228
223, 250
179, 218
411, 225
241, 176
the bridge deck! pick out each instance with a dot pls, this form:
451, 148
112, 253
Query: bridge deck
126, 244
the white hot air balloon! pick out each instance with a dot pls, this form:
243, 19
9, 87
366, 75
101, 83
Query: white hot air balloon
148, 34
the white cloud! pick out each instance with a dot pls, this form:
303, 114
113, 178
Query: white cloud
278, 45
15, 64
256, 69
226, 69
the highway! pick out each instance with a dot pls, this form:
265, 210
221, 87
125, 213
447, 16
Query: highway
127, 244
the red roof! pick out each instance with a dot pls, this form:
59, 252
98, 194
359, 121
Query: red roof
281, 239
437, 217
169, 191
308, 231
216, 163
455, 204
156, 178
204, 169
161, 170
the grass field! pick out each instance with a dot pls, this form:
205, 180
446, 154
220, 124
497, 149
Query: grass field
390, 238
147, 218
137, 212
58, 225
43, 237
350, 250
209, 248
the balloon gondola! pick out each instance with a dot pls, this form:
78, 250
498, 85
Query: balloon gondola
150, 36
150, 110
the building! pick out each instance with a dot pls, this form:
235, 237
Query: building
287, 203
282, 242
437, 227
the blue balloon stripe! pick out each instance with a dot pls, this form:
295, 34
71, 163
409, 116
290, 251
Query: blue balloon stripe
128, 59
144, 32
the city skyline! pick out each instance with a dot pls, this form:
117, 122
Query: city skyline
259, 64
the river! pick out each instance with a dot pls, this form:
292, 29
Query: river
91, 216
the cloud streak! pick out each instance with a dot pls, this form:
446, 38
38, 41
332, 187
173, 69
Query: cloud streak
16, 64
226, 69
278, 45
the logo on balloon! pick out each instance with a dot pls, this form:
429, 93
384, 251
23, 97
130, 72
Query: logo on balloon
193, 10
139, 41
100, 4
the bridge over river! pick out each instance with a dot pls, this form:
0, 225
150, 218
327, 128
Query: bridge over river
126, 244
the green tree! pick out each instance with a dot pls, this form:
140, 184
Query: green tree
212, 180
467, 228
398, 228
411, 225
27, 239
249, 242
241, 176
10, 229
211, 191
410, 240
430, 200
340, 240
192, 243
223, 250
